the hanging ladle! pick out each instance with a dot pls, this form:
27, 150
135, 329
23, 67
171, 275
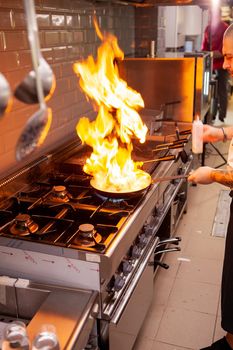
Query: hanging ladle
5, 95
26, 91
39, 123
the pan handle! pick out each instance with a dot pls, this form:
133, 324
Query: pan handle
175, 142
169, 178
186, 132
173, 146
167, 158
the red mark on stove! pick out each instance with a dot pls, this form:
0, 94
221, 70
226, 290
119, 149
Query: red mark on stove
7, 253
94, 270
72, 266
28, 257
49, 261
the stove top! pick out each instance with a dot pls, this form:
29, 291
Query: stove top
54, 210
59, 207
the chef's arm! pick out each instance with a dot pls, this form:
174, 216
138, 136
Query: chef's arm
224, 177
214, 134
206, 175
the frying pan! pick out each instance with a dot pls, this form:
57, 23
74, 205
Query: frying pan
131, 194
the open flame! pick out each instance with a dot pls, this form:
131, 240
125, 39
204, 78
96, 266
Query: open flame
110, 134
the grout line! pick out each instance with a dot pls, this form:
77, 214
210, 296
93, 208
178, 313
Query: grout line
216, 318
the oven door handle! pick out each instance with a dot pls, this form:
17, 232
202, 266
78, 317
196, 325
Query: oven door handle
173, 240
174, 190
130, 289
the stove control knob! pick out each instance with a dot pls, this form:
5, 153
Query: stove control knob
136, 252
148, 230
127, 267
143, 239
181, 196
159, 212
119, 283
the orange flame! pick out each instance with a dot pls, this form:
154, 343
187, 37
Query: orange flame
117, 121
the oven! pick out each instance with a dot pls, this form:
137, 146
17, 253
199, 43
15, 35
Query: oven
121, 324
125, 311
56, 230
175, 201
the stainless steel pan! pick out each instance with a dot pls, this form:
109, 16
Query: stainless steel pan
131, 194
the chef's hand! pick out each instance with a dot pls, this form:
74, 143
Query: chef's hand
201, 176
212, 134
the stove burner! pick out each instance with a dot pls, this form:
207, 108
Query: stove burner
23, 225
113, 200
87, 236
59, 194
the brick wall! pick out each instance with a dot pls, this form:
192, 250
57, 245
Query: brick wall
66, 34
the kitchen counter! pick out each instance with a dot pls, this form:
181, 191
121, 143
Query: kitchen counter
69, 310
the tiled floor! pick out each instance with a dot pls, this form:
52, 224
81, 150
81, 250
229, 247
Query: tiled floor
185, 312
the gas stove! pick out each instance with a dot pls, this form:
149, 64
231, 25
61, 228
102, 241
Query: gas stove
56, 229
62, 209
51, 218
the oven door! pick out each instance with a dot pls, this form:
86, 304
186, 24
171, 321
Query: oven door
121, 330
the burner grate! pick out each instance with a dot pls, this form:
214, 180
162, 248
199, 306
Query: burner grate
58, 203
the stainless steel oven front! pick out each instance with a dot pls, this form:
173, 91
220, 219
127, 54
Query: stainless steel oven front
123, 317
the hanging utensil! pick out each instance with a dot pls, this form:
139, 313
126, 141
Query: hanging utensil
39, 124
26, 91
5, 95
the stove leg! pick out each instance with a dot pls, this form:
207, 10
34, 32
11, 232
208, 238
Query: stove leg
103, 332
